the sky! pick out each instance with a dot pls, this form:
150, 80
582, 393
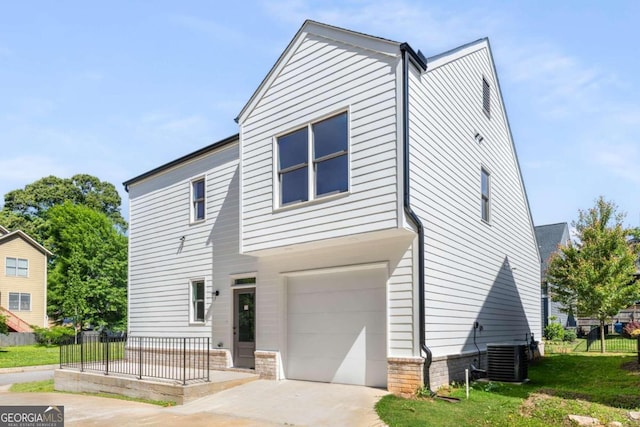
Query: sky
114, 89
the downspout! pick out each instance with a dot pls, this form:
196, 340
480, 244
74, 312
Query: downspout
405, 48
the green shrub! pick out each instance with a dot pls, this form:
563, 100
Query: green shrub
631, 330
554, 332
569, 335
55, 335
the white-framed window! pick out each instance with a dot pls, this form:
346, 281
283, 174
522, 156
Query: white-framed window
485, 194
196, 309
198, 206
19, 301
313, 161
486, 97
17, 267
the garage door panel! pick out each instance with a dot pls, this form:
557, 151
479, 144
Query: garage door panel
333, 323
326, 302
336, 328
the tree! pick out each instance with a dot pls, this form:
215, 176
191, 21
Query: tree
26, 209
595, 275
88, 280
4, 329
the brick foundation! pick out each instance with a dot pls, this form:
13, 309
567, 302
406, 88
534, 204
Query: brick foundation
446, 369
404, 374
267, 364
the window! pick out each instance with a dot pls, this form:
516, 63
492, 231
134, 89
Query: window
197, 301
19, 301
17, 267
316, 154
485, 197
197, 200
486, 97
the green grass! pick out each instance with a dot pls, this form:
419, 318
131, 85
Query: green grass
28, 355
46, 386
560, 384
32, 355
553, 347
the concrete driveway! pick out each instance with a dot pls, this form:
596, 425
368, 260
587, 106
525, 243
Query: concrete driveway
258, 403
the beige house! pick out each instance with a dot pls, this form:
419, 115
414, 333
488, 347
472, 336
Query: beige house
23, 280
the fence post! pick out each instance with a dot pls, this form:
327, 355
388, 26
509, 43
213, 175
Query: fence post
208, 343
139, 358
184, 361
638, 348
82, 352
106, 354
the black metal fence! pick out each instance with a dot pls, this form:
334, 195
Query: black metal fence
614, 343
178, 359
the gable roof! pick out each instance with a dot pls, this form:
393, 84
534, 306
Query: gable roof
344, 35
3, 231
549, 237
6, 236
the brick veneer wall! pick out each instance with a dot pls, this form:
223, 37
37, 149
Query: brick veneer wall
267, 364
446, 369
220, 358
404, 374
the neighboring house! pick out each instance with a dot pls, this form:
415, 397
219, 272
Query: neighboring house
550, 237
369, 220
23, 281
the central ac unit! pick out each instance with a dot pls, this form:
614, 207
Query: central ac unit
507, 362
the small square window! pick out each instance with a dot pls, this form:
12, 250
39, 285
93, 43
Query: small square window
17, 267
486, 97
197, 301
485, 195
197, 200
19, 301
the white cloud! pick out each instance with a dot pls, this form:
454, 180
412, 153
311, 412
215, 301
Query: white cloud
619, 159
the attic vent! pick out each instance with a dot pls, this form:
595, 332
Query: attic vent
486, 97
507, 362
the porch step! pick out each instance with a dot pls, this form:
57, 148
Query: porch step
223, 380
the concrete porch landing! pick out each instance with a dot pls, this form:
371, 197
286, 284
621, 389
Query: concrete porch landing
96, 382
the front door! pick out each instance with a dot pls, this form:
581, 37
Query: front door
244, 328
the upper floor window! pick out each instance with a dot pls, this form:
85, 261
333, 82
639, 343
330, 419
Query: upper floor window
485, 191
313, 161
17, 267
19, 301
486, 97
197, 301
197, 200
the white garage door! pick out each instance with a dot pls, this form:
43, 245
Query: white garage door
336, 328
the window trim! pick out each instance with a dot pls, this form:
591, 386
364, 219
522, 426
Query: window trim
20, 294
192, 301
17, 267
311, 163
485, 199
193, 201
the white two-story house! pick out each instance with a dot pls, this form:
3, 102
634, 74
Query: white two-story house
368, 225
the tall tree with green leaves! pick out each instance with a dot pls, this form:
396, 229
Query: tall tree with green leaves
4, 328
88, 280
26, 209
595, 274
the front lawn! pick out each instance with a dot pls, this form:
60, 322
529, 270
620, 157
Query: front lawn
600, 386
32, 355
28, 355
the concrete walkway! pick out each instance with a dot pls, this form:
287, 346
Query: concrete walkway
259, 403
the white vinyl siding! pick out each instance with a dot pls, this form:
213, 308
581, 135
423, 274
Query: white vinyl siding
161, 263
473, 272
320, 78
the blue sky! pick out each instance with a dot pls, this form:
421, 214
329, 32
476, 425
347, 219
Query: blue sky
114, 89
